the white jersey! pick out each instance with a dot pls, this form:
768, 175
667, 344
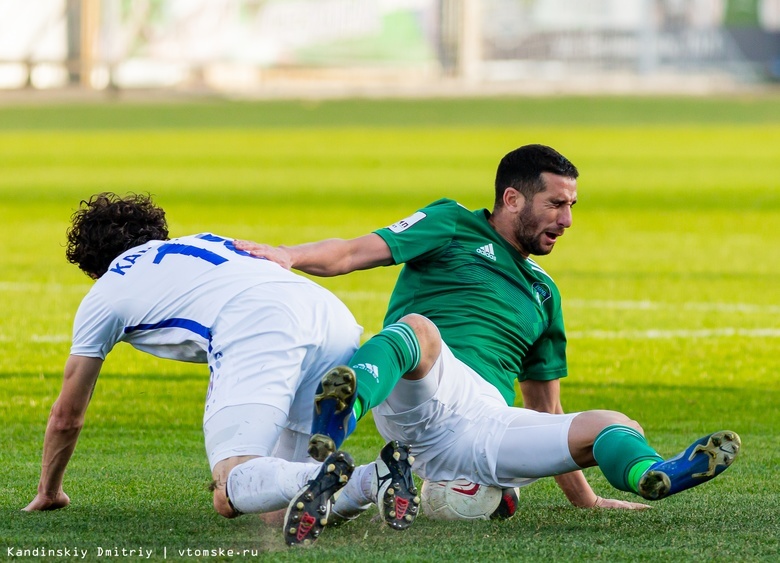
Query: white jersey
163, 297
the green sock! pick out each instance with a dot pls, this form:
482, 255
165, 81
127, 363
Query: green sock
357, 408
623, 456
381, 362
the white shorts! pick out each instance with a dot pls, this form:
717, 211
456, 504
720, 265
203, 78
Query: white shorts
256, 430
459, 426
270, 347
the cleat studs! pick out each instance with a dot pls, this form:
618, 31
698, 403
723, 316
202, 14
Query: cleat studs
322, 509
307, 541
390, 492
343, 479
323, 521
391, 514
396, 456
296, 517
410, 459
331, 468
292, 531
416, 500
408, 517
307, 497
316, 533
300, 505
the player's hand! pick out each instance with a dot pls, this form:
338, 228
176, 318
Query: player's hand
43, 502
274, 254
619, 504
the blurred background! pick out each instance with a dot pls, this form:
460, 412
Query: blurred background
266, 48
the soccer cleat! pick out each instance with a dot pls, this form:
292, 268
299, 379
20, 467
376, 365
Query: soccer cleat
309, 510
333, 418
703, 460
396, 494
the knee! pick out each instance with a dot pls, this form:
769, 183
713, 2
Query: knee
426, 332
429, 340
609, 418
588, 425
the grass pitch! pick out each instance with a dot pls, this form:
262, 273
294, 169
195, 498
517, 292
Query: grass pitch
669, 277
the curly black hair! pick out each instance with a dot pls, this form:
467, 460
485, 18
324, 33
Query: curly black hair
107, 225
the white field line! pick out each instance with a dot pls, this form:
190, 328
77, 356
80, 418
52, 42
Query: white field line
661, 306
37, 338
656, 334
11, 287
363, 295
615, 305
648, 334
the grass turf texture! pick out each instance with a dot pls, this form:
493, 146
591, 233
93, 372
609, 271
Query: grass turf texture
669, 278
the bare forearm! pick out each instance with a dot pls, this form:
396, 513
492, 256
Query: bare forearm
323, 258
333, 257
58, 446
576, 488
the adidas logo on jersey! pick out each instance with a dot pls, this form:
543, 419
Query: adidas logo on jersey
370, 368
487, 251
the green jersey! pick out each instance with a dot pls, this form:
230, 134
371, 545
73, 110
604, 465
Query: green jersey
499, 312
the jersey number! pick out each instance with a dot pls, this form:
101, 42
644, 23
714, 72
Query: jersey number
196, 251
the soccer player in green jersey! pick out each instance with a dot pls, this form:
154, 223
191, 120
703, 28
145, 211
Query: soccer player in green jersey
471, 313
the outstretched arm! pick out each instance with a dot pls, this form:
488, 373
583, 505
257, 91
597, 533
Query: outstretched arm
330, 257
545, 396
62, 430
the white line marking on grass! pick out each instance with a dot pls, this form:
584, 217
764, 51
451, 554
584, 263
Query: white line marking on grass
39, 338
661, 306
653, 334
37, 286
643, 305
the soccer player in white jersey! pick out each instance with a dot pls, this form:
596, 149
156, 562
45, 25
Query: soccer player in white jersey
266, 334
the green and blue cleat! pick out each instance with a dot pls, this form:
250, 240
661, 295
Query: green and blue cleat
703, 460
333, 418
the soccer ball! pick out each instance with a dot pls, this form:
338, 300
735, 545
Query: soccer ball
463, 500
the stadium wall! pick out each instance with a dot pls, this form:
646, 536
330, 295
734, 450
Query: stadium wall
266, 48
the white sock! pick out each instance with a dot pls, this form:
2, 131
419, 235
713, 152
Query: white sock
265, 484
358, 494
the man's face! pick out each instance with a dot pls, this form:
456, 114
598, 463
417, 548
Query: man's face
545, 217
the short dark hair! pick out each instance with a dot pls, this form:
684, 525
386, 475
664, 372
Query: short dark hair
107, 225
522, 170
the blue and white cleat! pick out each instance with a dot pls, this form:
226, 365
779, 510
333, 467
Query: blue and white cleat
333, 418
703, 460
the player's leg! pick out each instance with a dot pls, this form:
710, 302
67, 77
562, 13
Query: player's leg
241, 443
630, 464
616, 444
222, 503
405, 349
387, 481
